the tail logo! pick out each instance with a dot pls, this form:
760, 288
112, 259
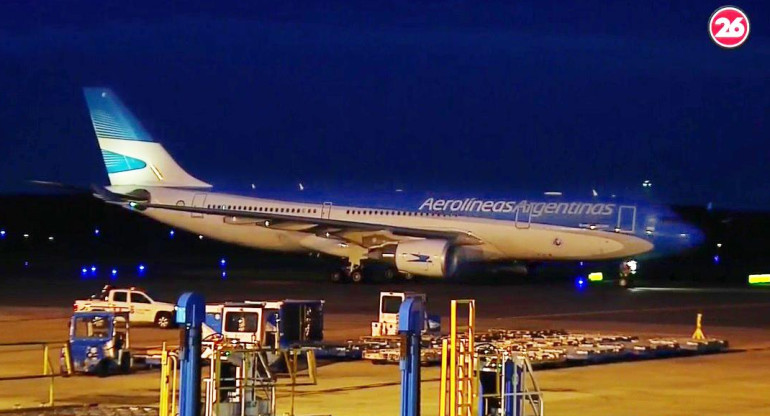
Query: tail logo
116, 162
419, 258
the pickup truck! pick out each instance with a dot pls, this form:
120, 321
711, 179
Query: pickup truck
142, 308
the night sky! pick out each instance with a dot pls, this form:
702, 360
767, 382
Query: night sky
465, 96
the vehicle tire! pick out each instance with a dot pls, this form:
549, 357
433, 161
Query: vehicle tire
163, 320
357, 275
103, 368
125, 362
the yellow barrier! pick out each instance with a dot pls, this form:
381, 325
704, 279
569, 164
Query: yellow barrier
459, 393
168, 382
312, 367
47, 368
67, 357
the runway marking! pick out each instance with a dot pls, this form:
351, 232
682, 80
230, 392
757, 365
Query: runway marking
662, 309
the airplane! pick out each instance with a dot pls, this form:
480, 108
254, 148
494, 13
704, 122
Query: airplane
431, 235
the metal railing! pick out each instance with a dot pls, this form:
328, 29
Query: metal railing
526, 391
47, 372
458, 388
169, 380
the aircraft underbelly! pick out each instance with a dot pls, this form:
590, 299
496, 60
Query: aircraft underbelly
212, 226
558, 243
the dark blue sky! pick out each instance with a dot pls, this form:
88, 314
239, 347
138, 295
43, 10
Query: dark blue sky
465, 95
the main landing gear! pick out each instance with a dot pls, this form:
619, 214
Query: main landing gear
358, 274
348, 273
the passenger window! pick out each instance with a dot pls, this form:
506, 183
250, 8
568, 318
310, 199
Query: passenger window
119, 296
139, 298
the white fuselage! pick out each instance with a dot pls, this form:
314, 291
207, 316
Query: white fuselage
502, 239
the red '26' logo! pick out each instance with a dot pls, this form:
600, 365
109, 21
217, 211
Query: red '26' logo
729, 27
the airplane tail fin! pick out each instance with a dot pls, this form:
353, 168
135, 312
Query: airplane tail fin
130, 154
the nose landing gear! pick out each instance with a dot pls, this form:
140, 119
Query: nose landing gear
627, 270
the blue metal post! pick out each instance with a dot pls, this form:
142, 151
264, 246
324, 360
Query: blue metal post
519, 387
190, 313
482, 405
411, 318
508, 387
513, 387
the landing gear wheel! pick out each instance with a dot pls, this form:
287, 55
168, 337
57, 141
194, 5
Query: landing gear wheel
407, 277
337, 276
357, 275
625, 283
390, 274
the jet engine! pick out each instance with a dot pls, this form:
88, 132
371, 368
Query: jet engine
429, 257
423, 257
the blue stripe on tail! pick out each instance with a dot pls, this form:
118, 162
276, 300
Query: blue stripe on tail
116, 162
111, 119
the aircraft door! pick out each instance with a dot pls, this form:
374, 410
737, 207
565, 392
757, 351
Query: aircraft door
627, 218
523, 219
326, 210
199, 201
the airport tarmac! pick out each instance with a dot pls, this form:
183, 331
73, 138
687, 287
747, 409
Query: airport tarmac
735, 383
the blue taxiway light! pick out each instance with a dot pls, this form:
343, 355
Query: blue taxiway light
171, 234
96, 231
83, 271
93, 269
224, 274
141, 267
222, 262
2, 233
114, 272
716, 259
580, 282
26, 263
